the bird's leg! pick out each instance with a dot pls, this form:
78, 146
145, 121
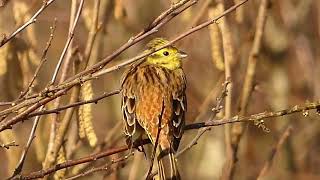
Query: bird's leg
140, 148
129, 143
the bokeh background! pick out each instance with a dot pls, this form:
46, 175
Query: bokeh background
287, 74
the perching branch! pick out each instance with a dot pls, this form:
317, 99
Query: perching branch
235, 119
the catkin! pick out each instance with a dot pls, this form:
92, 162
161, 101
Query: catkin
81, 131
60, 159
216, 41
85, 115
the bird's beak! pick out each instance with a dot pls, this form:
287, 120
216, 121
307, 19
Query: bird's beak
182, 54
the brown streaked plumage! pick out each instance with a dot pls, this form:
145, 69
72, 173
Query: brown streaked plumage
148, 87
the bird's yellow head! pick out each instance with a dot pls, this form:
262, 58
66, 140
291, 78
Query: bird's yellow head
169, 57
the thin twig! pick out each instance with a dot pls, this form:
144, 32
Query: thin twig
20, 164
215, 111
256, 117
253, 56
42, 61
93, 157
106, 167
66, 64
32, 20
6, 103
109, 141
59, 109
273, 152
228, 54
201, 12
237, 130
8, 145
66, 47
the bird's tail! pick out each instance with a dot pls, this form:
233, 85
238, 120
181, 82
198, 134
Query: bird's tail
167, 165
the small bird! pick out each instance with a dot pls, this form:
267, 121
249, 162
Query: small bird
154, 103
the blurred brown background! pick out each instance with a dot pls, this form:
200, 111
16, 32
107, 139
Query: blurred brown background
287, 74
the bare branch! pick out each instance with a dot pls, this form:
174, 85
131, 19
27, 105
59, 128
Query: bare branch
237, 130
19, 166
215, 111
32, 20
93, 157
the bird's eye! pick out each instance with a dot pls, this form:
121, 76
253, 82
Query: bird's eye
166, 53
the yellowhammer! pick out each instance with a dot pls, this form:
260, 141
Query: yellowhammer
153, 94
